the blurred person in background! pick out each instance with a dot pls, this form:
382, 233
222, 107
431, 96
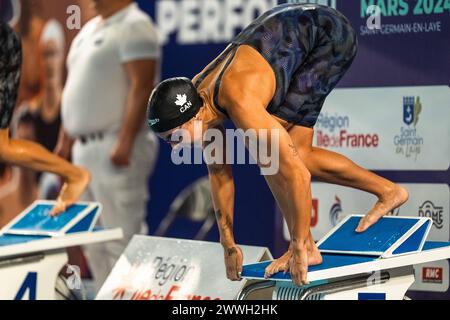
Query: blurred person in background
29, 26
113, 64
25, 153
30, 19
44, 108
18, 187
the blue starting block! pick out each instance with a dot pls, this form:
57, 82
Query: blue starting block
376, 264
35, 220
33, 247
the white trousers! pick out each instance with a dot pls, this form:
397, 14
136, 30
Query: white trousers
123, 192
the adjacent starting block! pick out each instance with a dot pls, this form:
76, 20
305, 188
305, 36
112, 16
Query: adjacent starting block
35, 220
374, 265
33, 247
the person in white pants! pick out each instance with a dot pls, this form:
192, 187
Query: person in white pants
113, 65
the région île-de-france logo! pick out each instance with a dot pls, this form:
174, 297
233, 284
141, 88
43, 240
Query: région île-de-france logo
335, 131
166, 278
336, 213
183, 103
428, 209
409, 142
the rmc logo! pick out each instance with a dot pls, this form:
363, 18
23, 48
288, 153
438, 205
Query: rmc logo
432, 275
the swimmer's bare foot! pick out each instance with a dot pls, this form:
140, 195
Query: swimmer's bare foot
282, 264
314, 256
71, 191
390, 200
279, 265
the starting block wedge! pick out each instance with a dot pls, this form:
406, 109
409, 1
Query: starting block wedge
391, 236
376, 264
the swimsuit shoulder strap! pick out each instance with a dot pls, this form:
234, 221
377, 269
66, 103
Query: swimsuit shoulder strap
219, 81
231, 48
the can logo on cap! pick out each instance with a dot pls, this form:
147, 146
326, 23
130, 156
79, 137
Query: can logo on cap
182, 101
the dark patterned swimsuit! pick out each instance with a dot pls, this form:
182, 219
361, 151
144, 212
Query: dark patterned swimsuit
10, 62
309, 47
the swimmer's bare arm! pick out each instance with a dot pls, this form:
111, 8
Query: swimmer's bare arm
222, 190
246, 90
292, 178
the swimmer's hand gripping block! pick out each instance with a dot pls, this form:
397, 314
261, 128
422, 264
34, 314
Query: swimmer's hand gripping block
36, 220
389, 237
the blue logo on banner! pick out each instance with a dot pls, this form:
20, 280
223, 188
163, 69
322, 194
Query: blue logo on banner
371, 296
408, 110
30, 284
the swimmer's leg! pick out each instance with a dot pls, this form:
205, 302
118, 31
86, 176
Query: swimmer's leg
334, 168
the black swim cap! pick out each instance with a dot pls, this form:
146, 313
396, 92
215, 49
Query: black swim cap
173, 102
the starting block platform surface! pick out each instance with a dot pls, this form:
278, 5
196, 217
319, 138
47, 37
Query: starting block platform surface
35, 231
393, 242
33, 247
36, 221
340, 265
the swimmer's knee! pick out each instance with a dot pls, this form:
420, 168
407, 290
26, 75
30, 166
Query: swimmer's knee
298, 173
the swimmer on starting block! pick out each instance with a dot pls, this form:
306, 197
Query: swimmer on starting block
275, 75
26, 153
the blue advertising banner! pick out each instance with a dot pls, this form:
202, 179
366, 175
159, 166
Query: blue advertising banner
410, 48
